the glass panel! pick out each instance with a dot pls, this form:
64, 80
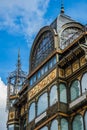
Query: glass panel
86, 120
63, 95
46, 68
39, 74
11, 127
84, 83
54, 60
34, 78
32, 112
78, 123
42, 71
64, 124
31, 81
42, 100
54, 125
50, 64
75, 90
44, 47
44, 128
53, 95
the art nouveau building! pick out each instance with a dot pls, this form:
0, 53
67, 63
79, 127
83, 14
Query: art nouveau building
54, 94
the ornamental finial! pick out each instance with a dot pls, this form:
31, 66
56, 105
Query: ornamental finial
62, 7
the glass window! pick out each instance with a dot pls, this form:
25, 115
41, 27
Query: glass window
42, 71
75, 90
31, 81
39, 74
32, 112
44, 128
11, 127
54, 60
53, 95
42, 103
84, 83
44, 47
64, 124
78, 123
50, 64
46, 68
54, 125
85, 118
34, 78
63, 95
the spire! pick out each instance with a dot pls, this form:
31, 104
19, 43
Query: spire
62, 7
18, 65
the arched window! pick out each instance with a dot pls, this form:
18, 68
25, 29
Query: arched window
53, 95
54, 125
44, 47
42, 103
63, 95
84, 83
75, 90
85, 118
64, 124
78, 123
32, 111
44, 128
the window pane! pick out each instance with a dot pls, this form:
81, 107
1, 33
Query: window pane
46, 68
31, 81
78, 123
84, 83
54, 60
39, 74
11, 127
44, 128
86, 120
42, 103
75, 90
50, 64
64, 124
54, 125
63, 95
53, 95
32, 112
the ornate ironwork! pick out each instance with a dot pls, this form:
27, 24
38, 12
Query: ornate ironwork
15, 81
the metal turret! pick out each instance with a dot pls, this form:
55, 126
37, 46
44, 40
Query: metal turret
15, 81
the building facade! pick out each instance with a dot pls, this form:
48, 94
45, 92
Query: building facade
54, 94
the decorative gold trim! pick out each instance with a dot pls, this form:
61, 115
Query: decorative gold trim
82, 60
42, 84
61, 73
75, 66
11, 115
68, 71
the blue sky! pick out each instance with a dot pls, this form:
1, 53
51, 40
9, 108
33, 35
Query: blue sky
21, 20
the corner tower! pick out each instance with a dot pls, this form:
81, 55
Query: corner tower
15, 83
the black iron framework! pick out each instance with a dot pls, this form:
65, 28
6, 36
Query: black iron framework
15, 80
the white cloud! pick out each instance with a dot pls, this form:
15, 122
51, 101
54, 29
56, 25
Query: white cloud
22, 16
3, 113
